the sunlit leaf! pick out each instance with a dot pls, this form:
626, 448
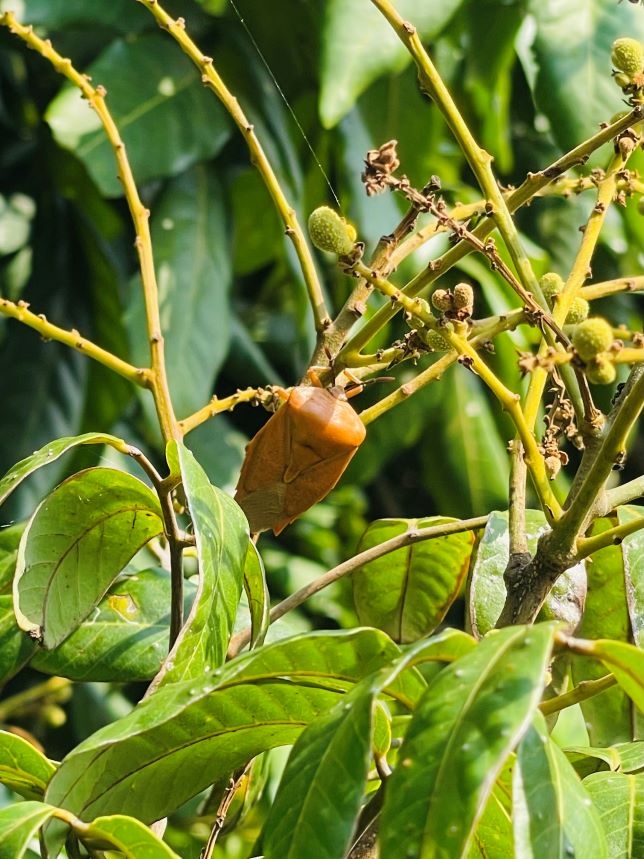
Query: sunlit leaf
221, 534
553, 815
619, 799
23, 768
406, 593
215, 722
486, 593
460, 736
166, 117
78, 540
19, 824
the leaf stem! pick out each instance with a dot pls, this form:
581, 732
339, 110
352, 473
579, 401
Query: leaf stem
400, 541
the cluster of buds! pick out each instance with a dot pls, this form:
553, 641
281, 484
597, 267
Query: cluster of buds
592, 340
551, 285
457, 303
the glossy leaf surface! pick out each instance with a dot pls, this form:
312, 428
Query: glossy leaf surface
23, 768
459, 738
222, 540
76, 543
406, 593
214, 723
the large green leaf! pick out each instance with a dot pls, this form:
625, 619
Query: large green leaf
322, 788
572, 53
190, 239
23, 768
488, 78
619, 799
50, 453
78, 540
465, 465
406, 593
486, 591
215, 722
124, 639
165, 116
553, 815
609, 716
19, 824
359, 46
221, 534
460, 736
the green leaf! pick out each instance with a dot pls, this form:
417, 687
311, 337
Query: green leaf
406, 593
129, 836
625, 661
215, 722
50, 453
118, 15
488, 79
633, 553
572, 51
15, 647
221, 534
619, 798
78, 540
23, 768
466, 465
189, 230
486, 592
125, 639
360, 46
609, 716
165, 115
257, 595
494, 837
19, 824
326, 773
322, 788
461, 733
553, 815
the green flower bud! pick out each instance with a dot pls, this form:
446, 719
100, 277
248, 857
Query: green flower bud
330, 232
640, 205
578, 311
591, 337
600, 371
627, 56
551, 283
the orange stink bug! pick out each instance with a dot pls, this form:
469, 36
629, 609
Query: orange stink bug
298, 456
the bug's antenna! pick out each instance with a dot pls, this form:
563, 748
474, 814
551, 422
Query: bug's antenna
286, 102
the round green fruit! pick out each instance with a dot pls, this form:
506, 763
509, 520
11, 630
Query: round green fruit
330, 232
578, 311
600, 371
627, 56
591, 337
551, 283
